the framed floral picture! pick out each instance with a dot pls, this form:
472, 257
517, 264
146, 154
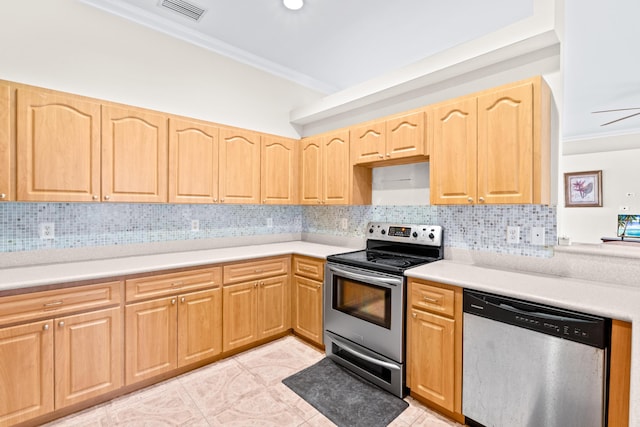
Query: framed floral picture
583, 189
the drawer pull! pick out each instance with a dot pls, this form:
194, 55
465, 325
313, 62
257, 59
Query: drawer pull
434, 300
311, 269
258, 270
52, 304
174, 284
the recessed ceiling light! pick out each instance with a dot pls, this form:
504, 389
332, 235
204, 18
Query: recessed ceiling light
293, 4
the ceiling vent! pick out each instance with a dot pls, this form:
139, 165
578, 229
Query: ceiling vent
184, 8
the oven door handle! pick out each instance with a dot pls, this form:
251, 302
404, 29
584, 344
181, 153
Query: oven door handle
365, 278
346, 347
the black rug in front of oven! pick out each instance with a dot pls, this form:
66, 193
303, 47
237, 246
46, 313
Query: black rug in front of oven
343, 397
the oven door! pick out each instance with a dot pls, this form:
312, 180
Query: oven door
366, 308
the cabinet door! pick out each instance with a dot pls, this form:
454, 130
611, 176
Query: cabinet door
406, 135
368, 142
151, 340
274, 313
311, 171
134, 155
505, 145
239, 315
279, 178
308, 308
453, 158
239, 166
58, 147
432, 358
335, 169
88, 360
193, 162
199, 326
26, 372
5, 143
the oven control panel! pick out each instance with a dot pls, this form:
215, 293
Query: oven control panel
409, 233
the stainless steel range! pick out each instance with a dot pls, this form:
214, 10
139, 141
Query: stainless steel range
365, 300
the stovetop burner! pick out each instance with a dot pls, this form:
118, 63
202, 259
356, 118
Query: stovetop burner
395, 248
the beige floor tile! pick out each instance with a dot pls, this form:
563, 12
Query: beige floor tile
93, 417
296, 404
258, 409
319, 421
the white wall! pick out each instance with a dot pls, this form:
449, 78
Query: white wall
72, 47
620, 175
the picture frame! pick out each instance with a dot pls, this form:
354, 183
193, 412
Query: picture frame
583, 189
629, 226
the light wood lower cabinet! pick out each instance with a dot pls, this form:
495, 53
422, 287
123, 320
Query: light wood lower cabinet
51, 364
434, 345
307, 297
172, 320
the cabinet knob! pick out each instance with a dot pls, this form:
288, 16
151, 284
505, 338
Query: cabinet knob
46, 327
481, 199
388, 155
215, 200
414, 315
182, 300
317, 286
107, 197
61, 323
173, 301
470, 200
381, 156
264, 201
2, 196
221, 200
95, 197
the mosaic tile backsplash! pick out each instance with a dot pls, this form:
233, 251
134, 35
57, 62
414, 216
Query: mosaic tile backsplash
76, 225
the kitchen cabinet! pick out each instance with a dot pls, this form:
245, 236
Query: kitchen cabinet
434, 346
180, 325
134, 155
308, 277
279, 166
193, 161
58, 147
6, 148
255, 301
54, 357
388, 140
493, 147
239, 166
325, 169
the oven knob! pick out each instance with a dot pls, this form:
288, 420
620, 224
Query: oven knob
415, 234
383, 232
431, 236
371, 230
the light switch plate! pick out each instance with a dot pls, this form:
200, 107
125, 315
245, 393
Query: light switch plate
537, 236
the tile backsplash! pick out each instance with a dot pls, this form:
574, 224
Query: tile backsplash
77, 225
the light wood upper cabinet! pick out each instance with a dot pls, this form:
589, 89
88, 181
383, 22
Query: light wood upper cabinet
26, 358
88, 357
239, 166
453, 161
279, 166
193, 162
58, 147
402, 136
134, 155
325, 170
493, 147
6, 192
368, 142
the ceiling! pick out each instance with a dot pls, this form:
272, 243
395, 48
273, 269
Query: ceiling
332, 45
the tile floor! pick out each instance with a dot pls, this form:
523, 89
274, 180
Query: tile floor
243, 390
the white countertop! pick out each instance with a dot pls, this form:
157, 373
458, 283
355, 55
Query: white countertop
49, 274
605, 299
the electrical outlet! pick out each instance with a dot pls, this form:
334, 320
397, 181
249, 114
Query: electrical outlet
46, 230
513, 234
344, 223
195, 225
269, 222
537, 236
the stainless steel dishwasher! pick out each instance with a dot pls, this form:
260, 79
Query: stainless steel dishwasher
531, 365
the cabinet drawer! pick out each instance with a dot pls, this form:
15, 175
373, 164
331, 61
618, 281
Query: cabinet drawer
18, 308
172, 283
432, 298
312, 268
246, 271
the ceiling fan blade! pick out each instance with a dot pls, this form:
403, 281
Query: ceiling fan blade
617, 109
621, 118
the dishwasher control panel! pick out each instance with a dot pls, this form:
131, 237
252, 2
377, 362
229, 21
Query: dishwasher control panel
567, 324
